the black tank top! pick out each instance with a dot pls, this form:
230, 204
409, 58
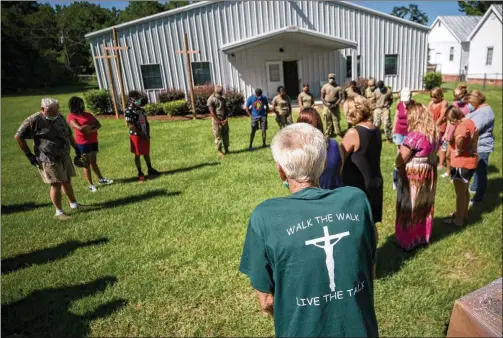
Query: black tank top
362, 168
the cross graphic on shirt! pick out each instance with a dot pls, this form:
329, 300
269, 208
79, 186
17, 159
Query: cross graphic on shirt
329, 251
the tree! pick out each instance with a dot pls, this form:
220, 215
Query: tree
476, 7
414, 13
140, 9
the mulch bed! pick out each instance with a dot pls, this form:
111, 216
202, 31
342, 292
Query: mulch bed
164, 117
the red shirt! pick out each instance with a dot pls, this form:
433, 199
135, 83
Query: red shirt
467, 156
83, 119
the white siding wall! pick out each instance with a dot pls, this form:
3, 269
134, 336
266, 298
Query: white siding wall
489, 35
440, 40
212, 25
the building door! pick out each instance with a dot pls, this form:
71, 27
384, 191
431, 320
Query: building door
291, 76
274, 77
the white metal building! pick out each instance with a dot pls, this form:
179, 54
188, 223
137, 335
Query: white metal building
486, 47
449, 45
250, 44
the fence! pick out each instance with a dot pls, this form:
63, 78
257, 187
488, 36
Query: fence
492, 79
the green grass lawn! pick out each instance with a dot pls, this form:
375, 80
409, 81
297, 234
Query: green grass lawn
161, 258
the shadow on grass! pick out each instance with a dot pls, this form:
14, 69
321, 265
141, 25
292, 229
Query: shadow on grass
13, 208
246, 150
168, 172
47, 312
46, 255
129, 200
390, 257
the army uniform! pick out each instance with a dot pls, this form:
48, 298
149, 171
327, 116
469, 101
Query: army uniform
369, 95
282, 109
307, 100
332, 95
383, 102
220, 132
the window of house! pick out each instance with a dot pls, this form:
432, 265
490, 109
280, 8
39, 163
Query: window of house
451, 54
201, 73
349, 66
358, 66
152, 78
489, 57
391, 64
274, 75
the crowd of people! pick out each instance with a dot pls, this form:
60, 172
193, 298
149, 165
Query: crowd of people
311, 255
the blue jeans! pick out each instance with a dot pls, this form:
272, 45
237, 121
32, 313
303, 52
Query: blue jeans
479, 183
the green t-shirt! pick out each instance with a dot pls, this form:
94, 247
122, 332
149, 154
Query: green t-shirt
314, 251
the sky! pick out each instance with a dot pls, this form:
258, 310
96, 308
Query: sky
431, 8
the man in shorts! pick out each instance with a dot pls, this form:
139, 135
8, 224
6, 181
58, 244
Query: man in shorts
52, 138
259, 108
139, 134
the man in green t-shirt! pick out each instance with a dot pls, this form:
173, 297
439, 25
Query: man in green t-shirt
310, 255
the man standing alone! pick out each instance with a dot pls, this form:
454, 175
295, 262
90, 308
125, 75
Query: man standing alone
219, 123
259, 108
52, 138
139, 134
331, 97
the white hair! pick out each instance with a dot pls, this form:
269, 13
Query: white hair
48, 103
301, 151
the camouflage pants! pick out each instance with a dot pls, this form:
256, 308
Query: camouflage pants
284, 120
382, 115
221, 134
332, 118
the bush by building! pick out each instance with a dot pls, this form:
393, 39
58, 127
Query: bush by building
432, 80
98, 101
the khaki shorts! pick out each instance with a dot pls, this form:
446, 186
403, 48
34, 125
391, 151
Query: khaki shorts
58, 172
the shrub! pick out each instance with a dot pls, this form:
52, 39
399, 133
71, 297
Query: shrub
175, 108
432, 80
201, 95
234, 101
154, 109
98, 101
171, 94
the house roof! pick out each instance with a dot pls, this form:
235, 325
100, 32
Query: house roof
496, 9
459, 26
204, 3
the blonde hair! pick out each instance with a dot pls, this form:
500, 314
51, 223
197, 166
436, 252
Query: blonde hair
437, 93
461, 91
476, 97
357, 109
420, 120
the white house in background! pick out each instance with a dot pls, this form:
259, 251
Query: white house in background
485, 45
449, 45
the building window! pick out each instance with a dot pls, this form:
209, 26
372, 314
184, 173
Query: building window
451, 54
201, 73
391, 64
152, 78
274, 75
489, 57
358, 66
349, 66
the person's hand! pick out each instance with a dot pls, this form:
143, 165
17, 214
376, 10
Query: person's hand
33, 159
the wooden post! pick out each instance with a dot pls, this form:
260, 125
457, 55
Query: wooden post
119, 71
109, 75
187, 53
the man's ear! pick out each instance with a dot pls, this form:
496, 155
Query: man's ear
281, 173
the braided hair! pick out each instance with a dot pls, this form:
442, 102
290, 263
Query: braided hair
76, 105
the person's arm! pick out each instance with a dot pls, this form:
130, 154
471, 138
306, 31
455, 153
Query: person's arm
289, 105
96, 126
403, 156
273, 108
247, 109
266, 301
348, 144
323, 96
377, 241
394, 121
300, 101
85, 129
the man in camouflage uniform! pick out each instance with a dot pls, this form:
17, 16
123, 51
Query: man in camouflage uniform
281, 105
352, 90
331, 96
369, 93
383, 101
219, 123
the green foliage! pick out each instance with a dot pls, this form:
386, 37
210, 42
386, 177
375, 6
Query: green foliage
201, 96
140, 9
432, 80
234, 101
154, 109
175, 108
414, 13
476, 7
171, 94
98, 101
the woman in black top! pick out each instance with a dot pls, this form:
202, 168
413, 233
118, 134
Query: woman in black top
361, 149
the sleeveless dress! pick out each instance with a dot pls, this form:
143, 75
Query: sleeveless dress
362, 169
331, 178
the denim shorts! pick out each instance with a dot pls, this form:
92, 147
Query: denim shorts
398, 139
444, 145
88, 148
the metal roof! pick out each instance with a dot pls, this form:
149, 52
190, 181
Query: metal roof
460, 26
498, 9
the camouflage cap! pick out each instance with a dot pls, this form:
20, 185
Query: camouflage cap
331, 76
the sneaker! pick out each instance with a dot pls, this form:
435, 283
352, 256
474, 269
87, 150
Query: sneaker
153, 172
264, 145
92, 188
62, 217
444, 175
141, 178
394, 186
105, 181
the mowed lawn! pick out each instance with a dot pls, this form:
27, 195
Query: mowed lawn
161, 258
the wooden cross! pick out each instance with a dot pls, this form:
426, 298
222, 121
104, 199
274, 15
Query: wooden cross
187, 53
109, 75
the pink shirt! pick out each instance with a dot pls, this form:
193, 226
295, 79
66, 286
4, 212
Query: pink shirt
401, 126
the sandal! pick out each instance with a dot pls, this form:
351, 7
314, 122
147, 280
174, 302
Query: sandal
451, 221
452, 215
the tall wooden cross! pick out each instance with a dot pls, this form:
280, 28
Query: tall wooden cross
187, 53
